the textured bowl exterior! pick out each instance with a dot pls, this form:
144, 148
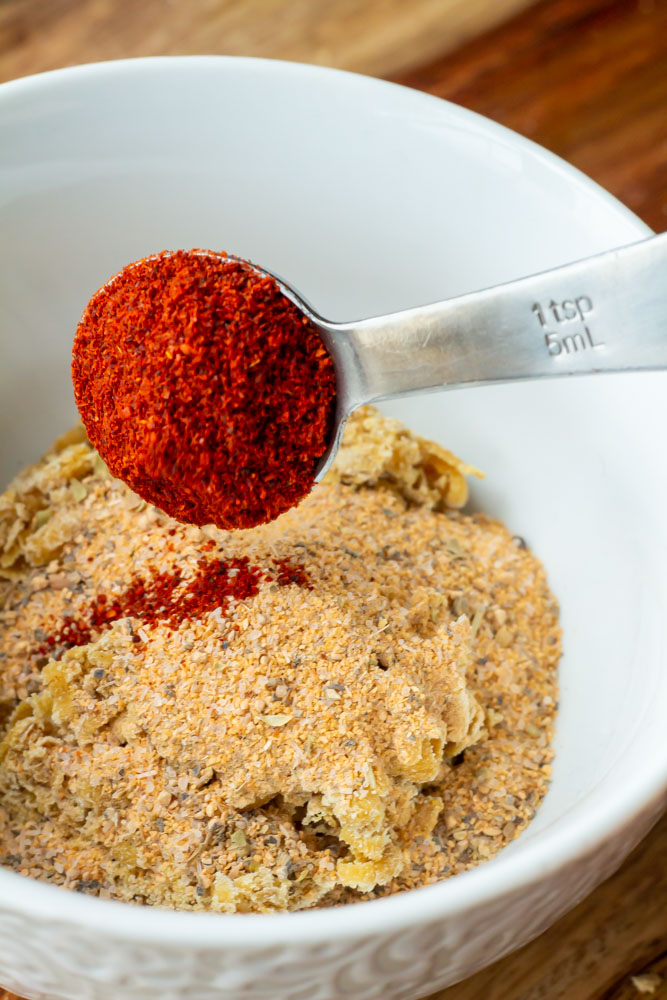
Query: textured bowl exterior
48, 960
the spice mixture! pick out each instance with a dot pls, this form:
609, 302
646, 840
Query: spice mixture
204, 388
352, 700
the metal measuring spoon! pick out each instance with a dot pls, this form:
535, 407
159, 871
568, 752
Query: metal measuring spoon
606, 313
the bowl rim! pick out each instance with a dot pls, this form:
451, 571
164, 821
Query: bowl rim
585, 830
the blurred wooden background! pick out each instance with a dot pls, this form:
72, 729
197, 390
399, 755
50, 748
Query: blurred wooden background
585, 78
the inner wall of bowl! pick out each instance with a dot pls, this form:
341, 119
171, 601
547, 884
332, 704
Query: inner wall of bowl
367, 199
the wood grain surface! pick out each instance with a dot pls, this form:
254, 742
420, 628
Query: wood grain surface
587, 79
373, 36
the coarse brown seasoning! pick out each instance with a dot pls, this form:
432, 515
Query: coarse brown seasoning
384, 727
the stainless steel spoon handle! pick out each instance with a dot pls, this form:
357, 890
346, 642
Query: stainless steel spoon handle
606, 313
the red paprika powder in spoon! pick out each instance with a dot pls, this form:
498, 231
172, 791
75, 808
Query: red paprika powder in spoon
204, 388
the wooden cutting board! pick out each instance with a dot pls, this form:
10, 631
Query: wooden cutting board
587, 79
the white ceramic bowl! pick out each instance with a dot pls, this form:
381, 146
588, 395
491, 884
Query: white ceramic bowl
368, 197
